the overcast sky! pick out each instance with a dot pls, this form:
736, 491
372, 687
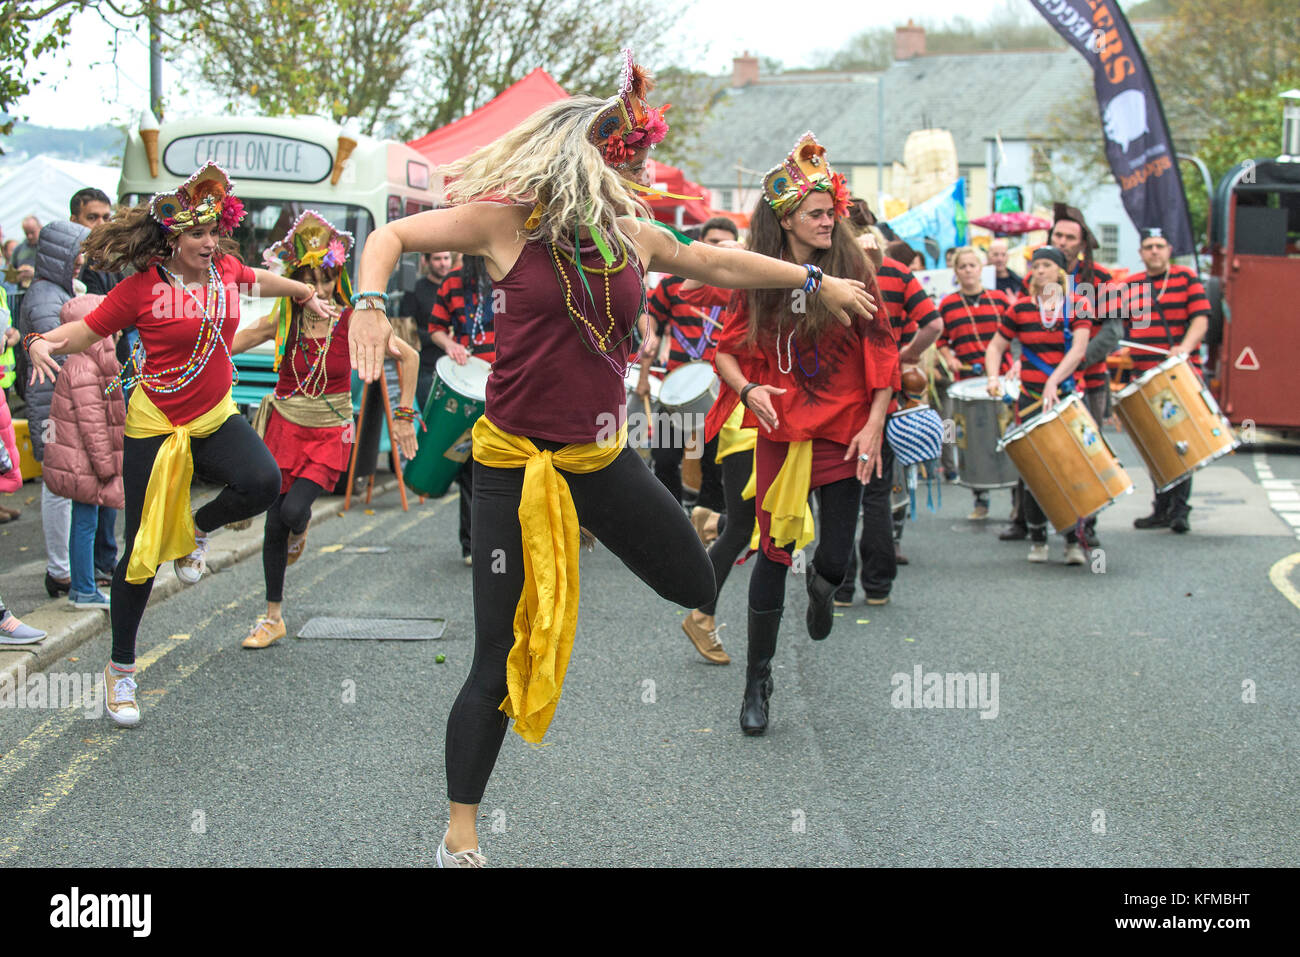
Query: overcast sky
83, 87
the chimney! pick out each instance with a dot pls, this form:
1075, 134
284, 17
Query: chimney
744, 70
909, 41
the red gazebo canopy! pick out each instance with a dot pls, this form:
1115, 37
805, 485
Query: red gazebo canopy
491, 120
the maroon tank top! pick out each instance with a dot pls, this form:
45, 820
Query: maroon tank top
548, 380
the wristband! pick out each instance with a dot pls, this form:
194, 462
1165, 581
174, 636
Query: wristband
307, 298
27, 340
405, 413
371, 295
814, 281
744, 393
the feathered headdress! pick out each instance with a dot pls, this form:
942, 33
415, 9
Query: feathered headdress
803, 171
312, 240
206, 197
627, 122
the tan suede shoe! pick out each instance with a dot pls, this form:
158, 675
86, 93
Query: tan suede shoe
297, 543
705, 521
265, 632
703, 633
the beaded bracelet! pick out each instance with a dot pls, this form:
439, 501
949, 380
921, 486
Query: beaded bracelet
305, 299
404, 413
814, 281
27, 340
371, 295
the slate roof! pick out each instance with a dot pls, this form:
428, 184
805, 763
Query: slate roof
973, 95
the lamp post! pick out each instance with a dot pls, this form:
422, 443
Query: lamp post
1290, 126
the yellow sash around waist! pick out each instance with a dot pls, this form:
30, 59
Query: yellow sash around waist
546, 617
787, 500
166, 525
732, 438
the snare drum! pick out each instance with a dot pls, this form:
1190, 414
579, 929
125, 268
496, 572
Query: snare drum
1067, 465
689, 390
979, 421
1174, 422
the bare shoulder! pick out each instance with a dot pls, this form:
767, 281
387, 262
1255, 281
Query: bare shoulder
653, 242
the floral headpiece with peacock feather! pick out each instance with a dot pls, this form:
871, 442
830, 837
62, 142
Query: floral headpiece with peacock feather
206, 197
803, 171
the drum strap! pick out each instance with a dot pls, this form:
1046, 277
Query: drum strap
1164, 321
1068, 386
706, 339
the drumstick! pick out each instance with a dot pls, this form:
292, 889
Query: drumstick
1032, 407
709, 319
1144, 348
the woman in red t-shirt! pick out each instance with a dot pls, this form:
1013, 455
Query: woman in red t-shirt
184, 302
309, 419
1053, 332
820, 391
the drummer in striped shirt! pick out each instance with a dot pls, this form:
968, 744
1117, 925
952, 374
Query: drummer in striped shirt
971, 317
462, 327
689, 315
1053, 330
1168, 311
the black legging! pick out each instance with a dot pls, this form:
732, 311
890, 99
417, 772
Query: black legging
631, 513
667, 454
736, 527
289, 515
234, 456
837, 509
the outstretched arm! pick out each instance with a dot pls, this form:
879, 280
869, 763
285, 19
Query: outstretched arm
67, 339
742, 269
478, 229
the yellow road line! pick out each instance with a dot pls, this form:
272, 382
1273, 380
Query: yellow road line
1279, 575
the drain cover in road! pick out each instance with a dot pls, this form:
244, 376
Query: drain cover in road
386, 629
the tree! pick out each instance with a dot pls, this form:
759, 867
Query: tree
29, 29
338, 58
480, 47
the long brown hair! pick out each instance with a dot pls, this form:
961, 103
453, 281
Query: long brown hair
845, 259
134, 238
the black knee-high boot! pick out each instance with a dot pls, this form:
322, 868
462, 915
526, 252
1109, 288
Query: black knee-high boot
821, 610
763, 629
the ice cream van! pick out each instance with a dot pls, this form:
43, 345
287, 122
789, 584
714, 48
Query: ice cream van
281, 166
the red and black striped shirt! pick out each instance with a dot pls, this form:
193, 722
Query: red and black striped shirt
687, 319
1024, 321
969, 323
1100, 296
905, 301
467, 319
1181, 297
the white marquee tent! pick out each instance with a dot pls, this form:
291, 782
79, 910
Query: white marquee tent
42, 186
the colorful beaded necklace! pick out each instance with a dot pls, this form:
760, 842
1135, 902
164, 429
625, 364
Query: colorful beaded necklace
172, 380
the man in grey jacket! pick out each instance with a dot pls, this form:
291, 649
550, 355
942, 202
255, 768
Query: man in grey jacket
58, 258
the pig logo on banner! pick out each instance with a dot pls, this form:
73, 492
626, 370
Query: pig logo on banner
1125, 118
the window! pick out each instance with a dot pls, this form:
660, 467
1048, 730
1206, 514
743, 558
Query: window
1109, 251
725, 199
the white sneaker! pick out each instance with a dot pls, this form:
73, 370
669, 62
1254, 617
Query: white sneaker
1038, 552
191, 568
460, 858
119, 697
1074, 554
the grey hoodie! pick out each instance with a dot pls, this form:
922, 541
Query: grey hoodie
56, 258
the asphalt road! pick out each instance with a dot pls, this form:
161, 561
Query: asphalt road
1121, 735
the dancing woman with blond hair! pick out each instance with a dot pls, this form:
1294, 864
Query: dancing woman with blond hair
549, 207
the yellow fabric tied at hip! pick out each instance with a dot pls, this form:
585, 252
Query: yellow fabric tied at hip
166, 525
546, 617
732, 438
787, 500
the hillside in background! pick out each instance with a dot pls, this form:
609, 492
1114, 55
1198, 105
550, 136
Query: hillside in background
102, 145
